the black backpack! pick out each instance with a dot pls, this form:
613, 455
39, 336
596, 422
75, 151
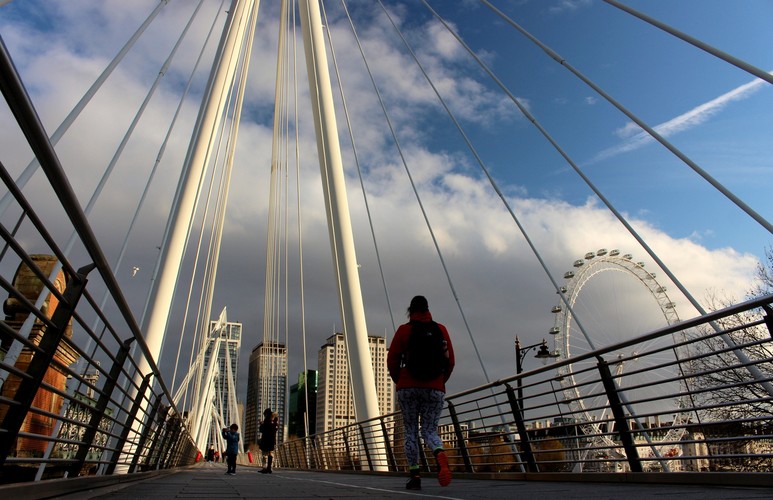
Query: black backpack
425, 356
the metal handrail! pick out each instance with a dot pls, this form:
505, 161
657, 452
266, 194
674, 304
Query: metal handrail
680, 422
73, 401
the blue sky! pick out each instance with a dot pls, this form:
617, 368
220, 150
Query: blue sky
61, 46
660, 79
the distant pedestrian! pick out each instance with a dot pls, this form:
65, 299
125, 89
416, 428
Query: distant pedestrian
211, 454
420, 362
268, 429
231, 437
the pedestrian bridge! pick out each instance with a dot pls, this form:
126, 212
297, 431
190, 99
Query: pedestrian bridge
86, 410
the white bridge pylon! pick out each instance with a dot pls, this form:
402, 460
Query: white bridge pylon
241, 24
339, 224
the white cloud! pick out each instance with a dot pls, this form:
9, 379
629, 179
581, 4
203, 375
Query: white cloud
563, 6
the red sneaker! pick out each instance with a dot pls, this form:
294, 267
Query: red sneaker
444, 474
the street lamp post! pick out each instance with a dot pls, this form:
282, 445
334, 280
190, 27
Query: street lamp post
543, 354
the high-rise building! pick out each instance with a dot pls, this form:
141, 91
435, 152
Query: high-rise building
266, 388
251, 412
335, 403
226, 337
302, 407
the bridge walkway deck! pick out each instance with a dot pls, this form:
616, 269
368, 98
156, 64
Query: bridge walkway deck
209, 481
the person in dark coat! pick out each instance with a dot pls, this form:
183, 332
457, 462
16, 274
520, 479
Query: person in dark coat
231, 437
268, 429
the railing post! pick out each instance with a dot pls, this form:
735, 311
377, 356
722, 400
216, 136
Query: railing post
166, 451
98, 412
154, 461
295, 454
183, 451
390, 453
127, 426
176, 448
171, 450
525, 443
365, 446
313, 440
36, 370
626, 437
460, 437
349, 457
768, 317
281, 452
147, 430
160, 432
319, 454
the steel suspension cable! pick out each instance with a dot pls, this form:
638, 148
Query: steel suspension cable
334, 243
418, 198
739, 63
140, 205
483, 166
301, 278
70, 119
742, 356
651, 131
15, 349
469, 144
332, 231
491, 180
269, 358
32, 167
226, 144
161, 152
359, 168
200, 333
202, 311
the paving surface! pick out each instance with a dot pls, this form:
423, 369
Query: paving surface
209, 481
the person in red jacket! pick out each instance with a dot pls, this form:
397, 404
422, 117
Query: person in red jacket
418, 395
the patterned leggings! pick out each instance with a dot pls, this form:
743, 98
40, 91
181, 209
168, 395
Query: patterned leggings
424, 403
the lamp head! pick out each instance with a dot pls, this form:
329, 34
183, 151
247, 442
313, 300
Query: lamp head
543, 354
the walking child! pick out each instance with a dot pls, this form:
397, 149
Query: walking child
231, 437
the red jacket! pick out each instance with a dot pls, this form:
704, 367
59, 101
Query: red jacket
400, 375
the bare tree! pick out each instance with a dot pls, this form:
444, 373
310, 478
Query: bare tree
763, 284
729, 401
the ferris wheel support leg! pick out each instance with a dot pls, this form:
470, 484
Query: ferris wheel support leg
632, 454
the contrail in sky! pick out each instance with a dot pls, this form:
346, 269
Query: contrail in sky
696, 116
